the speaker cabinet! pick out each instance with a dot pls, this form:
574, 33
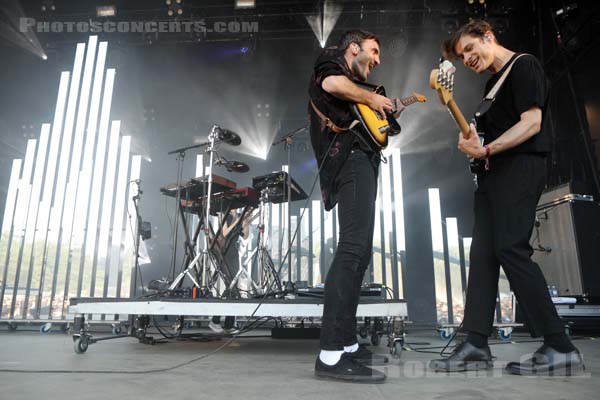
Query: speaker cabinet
566, 242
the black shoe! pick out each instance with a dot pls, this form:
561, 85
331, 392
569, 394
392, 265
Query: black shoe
548, 361
366, 357
349, 370
465, 357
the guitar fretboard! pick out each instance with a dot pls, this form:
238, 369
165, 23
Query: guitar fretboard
407, 101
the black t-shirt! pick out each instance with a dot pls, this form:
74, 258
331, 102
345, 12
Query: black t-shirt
330, 62
525, 87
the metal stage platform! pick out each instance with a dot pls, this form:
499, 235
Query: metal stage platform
379, 317
299, 307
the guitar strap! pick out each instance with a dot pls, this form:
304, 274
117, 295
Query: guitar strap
489, 98
325, 121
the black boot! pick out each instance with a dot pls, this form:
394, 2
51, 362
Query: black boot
465, 357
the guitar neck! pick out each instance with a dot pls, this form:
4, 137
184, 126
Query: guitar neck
459, 118
408, 100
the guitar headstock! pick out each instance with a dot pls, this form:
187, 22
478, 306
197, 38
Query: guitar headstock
442, 80
419, 97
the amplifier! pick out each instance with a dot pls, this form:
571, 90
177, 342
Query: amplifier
566, 242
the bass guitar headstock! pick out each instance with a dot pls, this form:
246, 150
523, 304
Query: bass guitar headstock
442, 81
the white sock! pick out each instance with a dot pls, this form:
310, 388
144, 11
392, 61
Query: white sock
351, 349
330, 357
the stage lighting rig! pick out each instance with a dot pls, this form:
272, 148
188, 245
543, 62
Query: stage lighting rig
48, 6
174, 8
245, 4
106, 11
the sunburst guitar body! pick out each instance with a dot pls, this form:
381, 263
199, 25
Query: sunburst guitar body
378, 128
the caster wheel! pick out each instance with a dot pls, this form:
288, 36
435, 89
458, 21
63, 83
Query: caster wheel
81, 344
375, 339
363, 332
504, 334
568, 331
116, 330
396, 349
45, 328
446, 333
12, 326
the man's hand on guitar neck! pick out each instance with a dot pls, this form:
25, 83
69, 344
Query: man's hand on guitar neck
471, 146
398, 107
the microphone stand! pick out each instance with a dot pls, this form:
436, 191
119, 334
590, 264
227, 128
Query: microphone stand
287, 139
180, 157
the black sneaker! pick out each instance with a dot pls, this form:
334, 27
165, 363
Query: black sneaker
366, 357
349, 370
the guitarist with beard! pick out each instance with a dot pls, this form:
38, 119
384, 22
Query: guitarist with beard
508, 191
348, 169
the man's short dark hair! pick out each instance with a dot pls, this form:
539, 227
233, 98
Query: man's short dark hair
476, 28
356, 36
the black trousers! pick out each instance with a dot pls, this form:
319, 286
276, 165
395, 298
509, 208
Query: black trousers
356, 185
505, 203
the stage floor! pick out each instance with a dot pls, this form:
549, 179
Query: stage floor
255, 368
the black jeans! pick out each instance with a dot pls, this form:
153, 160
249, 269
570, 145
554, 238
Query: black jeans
505, 203
356, 186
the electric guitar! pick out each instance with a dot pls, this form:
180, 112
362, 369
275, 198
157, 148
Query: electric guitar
442, 81
377, 128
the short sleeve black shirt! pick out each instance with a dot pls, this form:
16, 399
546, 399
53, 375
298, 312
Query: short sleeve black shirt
331, 149
525, 87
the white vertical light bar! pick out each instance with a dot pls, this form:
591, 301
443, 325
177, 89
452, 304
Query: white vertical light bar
119, 215
399, 199
66, 252
399, 213
467, 251
52, 244
329, 245
316, 249
294, 256
131, 229
284, 235
388, 223
86, 175
437, 242
14, 265
455, 276
46, 269
107, 205
275, 236
33, 281
7, 231
93, 228
198, 174
378, 255
304, 244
